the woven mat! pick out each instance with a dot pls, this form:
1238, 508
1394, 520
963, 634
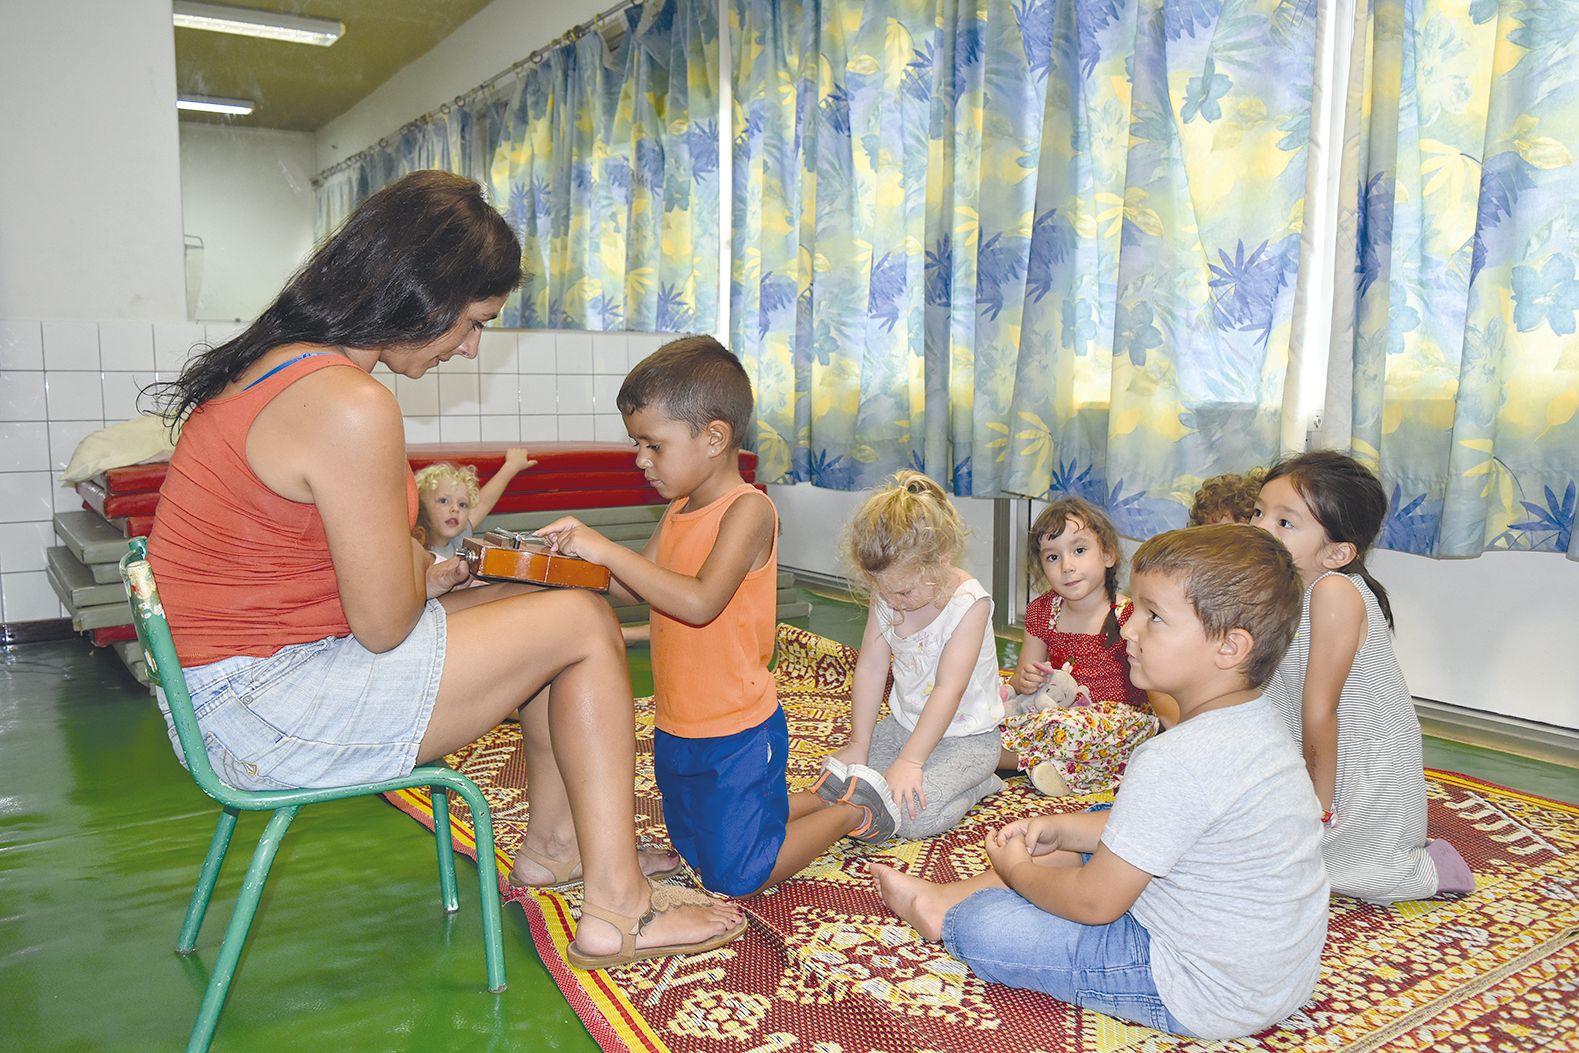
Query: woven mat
825, 968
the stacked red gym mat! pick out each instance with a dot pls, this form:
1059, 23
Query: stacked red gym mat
598, 481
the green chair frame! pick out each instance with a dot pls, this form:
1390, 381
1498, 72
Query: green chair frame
164, 671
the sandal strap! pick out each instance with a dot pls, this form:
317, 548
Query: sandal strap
629, 925
560, 870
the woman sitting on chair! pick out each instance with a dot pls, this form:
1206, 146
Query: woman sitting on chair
322, 645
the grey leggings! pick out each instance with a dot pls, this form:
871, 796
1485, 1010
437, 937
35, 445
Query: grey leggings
957, 775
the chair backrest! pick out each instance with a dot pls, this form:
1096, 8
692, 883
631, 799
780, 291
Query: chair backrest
164, 671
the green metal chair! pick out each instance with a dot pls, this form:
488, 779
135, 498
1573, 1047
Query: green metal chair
164, 669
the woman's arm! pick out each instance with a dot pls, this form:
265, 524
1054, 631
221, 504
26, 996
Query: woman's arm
1337, 624
516, 460
336, 440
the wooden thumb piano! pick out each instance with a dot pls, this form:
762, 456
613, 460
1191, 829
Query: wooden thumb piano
510, 555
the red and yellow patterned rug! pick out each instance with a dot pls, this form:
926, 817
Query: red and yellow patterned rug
825, 968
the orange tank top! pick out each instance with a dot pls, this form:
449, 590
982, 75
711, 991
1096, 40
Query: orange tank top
242, 570
712, 680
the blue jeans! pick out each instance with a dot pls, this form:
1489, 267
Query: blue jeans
1006, 939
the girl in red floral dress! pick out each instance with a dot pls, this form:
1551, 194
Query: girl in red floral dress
1075, 625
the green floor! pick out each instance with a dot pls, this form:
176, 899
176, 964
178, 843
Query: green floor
100, 836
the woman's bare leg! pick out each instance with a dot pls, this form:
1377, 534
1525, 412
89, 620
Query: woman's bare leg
501, 653
551, 832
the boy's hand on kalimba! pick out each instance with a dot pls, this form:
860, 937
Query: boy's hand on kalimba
572, 537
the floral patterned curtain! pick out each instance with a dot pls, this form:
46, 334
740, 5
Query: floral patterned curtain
1460, 186
604, 157
1028, 247
606, 164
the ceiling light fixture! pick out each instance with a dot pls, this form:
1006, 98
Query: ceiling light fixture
250, 22
214, 104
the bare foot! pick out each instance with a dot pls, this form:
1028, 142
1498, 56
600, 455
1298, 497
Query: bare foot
674, 927
913, 899
525, 873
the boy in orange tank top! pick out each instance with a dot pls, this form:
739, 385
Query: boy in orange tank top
710, 574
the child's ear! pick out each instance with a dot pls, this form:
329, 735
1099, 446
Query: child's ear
1233, 649
1338, 554
718, 435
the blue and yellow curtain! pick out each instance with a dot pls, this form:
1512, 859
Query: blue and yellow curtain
606, 163
1461, 189
1027, 247
604, 157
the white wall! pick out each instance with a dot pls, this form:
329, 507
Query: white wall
492, 40
61, 380
90, 192
247, 192
812, 530
1499, 633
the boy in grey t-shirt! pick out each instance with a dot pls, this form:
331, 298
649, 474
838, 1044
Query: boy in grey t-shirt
1198, 905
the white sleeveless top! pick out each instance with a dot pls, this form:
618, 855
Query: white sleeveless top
916, 658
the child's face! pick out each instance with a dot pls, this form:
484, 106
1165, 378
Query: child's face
1283, 513
1074, 562
447, 508
674, 461
905, 588
1169, 650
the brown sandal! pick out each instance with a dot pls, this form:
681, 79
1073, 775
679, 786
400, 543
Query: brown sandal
630, 926
563, 873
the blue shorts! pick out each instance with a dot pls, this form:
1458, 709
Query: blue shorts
319, 714
726, 802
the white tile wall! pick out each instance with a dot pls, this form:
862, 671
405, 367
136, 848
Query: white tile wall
61, 380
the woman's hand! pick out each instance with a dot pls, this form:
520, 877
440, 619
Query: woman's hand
447, 574
904, 779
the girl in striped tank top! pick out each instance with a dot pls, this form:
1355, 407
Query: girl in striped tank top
1341, 692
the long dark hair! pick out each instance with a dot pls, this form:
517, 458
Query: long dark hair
1053, 521
399, 270
1347, 500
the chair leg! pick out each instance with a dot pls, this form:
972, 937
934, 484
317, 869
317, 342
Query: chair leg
207, 877
441, 834
236, 932
487, 882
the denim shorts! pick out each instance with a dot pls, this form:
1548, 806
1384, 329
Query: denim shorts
320, 714
1006, 939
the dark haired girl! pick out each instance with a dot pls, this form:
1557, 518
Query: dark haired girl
1342, 693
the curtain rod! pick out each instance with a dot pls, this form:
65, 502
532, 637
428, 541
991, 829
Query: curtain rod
573, 33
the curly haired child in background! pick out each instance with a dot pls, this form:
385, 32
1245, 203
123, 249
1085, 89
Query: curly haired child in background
1341, 692
1076, 624
1227, 498
931, 624
451, 504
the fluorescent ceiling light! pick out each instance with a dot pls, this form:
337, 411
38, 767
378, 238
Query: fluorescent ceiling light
214, 104
250, 22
